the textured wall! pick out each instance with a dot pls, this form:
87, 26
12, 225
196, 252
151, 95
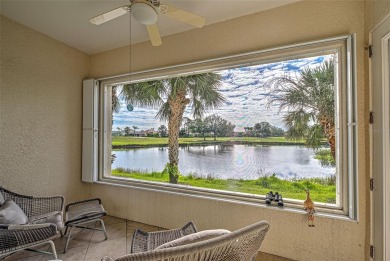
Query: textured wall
289, 235
374, 12
40, 113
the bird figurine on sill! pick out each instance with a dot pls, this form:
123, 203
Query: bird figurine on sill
308, 206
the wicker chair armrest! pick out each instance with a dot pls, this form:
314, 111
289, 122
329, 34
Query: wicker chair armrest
107, 258
44, 216
13, 237
44, 205
27, 227
196, 237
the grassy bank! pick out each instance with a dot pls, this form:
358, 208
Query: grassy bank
127, 141
321, 190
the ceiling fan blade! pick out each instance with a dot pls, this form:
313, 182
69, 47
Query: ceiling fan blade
154, 34
184, 16
110, 15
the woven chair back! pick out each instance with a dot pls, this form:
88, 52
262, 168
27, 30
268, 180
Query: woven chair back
240, 245
34, 206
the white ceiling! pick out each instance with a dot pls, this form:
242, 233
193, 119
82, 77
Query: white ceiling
67, 20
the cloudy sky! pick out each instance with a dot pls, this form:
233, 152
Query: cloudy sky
245, 93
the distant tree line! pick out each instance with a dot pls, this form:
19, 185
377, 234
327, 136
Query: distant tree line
263, 130
215, 126
212, 126
127, 131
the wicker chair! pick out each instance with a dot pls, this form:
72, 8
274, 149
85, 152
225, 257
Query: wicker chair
14, 238
240, 245
145, 241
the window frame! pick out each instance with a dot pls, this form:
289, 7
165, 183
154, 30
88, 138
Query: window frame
346, 128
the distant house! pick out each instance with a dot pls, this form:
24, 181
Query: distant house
150, 132
239, 132
143, 133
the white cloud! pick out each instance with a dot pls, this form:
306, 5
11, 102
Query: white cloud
244, 90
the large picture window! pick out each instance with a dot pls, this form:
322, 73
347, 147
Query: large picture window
279, 120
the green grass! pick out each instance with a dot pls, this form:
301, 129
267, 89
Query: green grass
321, 190
123, 141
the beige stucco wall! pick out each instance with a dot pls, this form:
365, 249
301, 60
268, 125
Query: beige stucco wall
374, 12
289, 235
40, 113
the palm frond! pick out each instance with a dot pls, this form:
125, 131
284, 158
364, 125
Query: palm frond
145, 94
312, 89
176, 85
306, 97
314, 136
198, 108
164, 112
297, 123
201, 89
203, 93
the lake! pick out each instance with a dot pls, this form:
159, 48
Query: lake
229, 161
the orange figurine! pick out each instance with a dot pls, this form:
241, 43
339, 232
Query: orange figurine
308, 205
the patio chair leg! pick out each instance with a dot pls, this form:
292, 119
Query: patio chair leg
68, 239
104, 228
64, 233
53, 249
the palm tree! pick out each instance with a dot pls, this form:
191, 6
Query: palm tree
172, 96
135, 128
309, 101
115, 100
248, 131
127, 131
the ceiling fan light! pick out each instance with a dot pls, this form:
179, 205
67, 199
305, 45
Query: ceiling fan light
144, 13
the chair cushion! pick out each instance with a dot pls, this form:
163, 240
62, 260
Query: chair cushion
194, 238
10, 213
1, 199
52, 217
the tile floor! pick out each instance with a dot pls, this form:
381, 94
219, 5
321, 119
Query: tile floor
90, 245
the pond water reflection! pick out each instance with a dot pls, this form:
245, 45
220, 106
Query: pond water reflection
229, 161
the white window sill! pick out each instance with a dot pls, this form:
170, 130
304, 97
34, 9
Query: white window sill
290, 205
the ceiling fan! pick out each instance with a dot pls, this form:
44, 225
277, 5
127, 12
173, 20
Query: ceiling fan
146, 12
